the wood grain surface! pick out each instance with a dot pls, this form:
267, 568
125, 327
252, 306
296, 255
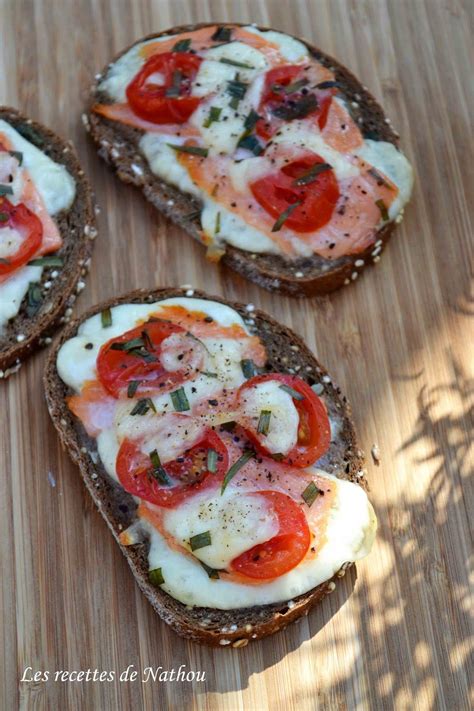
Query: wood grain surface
399, 341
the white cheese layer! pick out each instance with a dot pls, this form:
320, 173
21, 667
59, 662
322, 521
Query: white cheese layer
57, 189
282, 434
52, 180
13, 291
350, 533
236, 522
391, 162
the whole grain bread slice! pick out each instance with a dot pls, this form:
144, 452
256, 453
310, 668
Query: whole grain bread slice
59, 284
304, 276
286, 353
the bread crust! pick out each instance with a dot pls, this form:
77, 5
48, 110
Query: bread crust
23, 334
303, 276
286, 352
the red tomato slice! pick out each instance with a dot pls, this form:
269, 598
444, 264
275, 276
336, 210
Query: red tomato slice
315, 201
284, 551
170, 100
137, 355
28, 225
314, 431
180, 479
274, 98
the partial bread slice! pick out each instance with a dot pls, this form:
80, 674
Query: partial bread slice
304, 276
24, 334
286, 353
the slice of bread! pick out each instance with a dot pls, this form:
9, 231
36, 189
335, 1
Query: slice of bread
303, 276
59, 284
286, 353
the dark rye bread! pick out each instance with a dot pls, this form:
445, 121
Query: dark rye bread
286, 353
23, 334
303, 276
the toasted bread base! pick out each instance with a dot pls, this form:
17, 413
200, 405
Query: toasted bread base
286, 352
307, 276
24, 334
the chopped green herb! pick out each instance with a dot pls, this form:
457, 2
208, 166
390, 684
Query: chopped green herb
222, 34
310, 175
229, 426
383, 209
18, 155
180, 401
30, 134
236, 466
237, 90
212, 461
214, 114
106, 318
291, 391
4, 217
264, 422
277, 456
311, 493
175, 88
51, 261
182, 45
379, 178
209, 374
142, 406
251, 143
6, 190
233, 63
295, 86
328, 85
193, 150
297, 109
128, 345
133, 387
285, 215
200, 540
34, 299
249, 369
155, 577
251, 120
217, 228
212, 572
158, 471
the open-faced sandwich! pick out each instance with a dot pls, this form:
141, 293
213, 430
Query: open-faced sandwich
46, 230
219, 452
262, 147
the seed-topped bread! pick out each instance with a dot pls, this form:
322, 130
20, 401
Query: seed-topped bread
47, 304
286, 353
119, 144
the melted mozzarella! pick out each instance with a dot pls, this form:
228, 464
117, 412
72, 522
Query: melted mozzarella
57, 189
52, 180
13, 291
349, 537
391, 162
290, 48
268, 396
236, 523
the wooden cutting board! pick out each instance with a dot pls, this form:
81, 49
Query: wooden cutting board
395, 635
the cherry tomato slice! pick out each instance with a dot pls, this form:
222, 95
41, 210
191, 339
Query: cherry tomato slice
168, 101
180, 479
314, 431
28, 225
315, 201
284, 551
275, 97
137, 356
